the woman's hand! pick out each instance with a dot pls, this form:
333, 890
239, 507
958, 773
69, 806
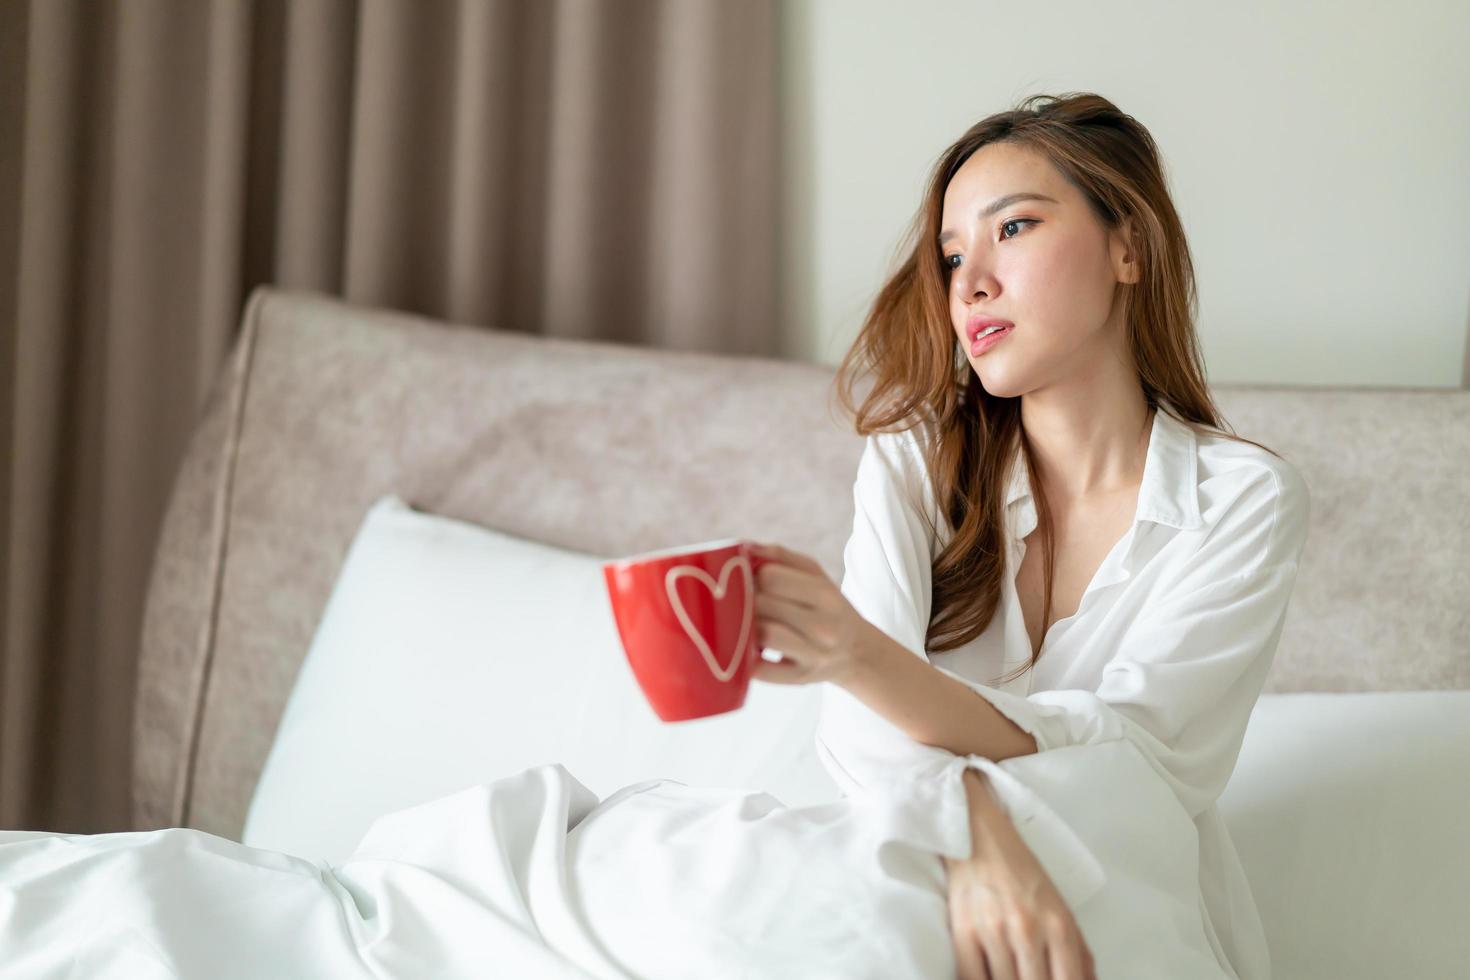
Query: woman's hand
1007, 919
802, 614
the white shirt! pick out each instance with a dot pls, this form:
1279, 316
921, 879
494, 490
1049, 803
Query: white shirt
1169, 647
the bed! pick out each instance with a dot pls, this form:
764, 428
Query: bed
524, 456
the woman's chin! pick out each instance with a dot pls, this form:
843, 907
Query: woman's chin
997, 382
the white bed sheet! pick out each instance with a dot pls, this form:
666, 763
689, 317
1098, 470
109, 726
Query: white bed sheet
531, 876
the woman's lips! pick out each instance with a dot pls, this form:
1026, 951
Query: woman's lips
983, 344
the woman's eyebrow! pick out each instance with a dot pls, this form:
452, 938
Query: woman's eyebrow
997, 204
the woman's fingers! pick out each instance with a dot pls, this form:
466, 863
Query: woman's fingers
1029, 947
777, 671
1000, 960
969, 960
786, 556
792, 644
1070, 959
1065, 962
779, 607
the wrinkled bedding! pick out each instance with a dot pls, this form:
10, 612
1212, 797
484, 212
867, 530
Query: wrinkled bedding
532, 876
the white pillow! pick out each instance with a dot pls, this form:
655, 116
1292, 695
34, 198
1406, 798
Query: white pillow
451, 654
1349, 812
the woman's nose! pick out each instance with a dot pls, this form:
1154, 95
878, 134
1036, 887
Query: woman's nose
979, 284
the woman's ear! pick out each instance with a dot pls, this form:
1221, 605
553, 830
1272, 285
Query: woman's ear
1125, 252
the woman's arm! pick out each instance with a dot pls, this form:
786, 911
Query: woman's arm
930, 706
989, 823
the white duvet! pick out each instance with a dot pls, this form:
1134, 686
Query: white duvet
531, 876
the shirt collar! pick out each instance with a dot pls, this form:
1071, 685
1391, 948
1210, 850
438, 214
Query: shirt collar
1169, 493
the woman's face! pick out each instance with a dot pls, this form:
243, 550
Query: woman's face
1020, 243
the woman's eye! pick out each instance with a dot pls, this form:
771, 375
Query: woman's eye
1015, 221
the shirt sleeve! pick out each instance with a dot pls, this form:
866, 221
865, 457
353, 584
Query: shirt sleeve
886, 578
1192, 666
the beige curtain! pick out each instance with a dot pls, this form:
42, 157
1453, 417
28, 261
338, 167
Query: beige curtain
589, 169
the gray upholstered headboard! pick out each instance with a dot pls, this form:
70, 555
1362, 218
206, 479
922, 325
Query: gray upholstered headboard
613, 449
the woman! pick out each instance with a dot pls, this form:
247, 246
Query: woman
1137, 685
1048, 516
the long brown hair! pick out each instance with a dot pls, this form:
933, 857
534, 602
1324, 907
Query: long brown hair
921, 375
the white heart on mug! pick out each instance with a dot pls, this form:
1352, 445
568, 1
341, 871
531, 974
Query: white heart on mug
671, 581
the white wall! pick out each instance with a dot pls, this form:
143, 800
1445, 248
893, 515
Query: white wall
1319, 154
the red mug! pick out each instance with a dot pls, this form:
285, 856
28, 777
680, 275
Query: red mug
686, 618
